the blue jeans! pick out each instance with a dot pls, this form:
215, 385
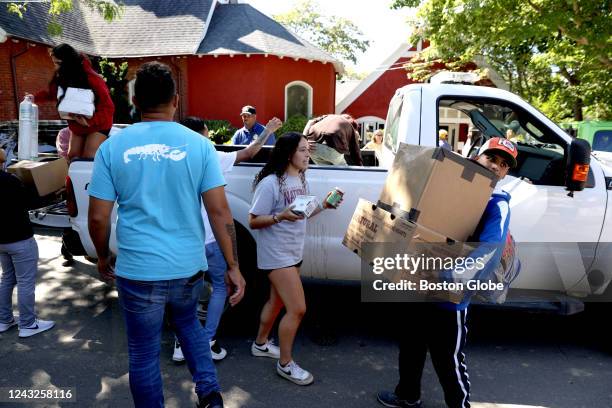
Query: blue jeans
19, 267
216, 272
143, 305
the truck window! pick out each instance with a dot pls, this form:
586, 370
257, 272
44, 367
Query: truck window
393, 122
542, 152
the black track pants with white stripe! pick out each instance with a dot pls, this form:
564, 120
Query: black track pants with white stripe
442, 332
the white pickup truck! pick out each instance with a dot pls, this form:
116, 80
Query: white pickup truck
564, 238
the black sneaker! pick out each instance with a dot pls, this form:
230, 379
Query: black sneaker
212, 400
389, 399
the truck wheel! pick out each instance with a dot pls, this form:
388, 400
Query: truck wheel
257, 284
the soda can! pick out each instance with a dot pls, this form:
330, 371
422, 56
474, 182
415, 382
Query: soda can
335, 197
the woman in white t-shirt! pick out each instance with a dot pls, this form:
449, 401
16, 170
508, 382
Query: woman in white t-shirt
280, 248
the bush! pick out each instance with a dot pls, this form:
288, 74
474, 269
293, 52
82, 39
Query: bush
220, 131
293, 124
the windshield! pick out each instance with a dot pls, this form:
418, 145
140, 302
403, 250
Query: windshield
602, 141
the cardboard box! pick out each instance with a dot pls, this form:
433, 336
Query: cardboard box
371, 224
46, 176
77, 101
437, 189
305, 205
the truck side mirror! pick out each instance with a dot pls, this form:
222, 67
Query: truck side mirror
578, 163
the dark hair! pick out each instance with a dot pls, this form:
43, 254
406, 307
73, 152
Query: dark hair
71, 72
283, 150
194, 123
154, 85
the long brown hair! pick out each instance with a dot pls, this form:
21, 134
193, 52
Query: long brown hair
283, 150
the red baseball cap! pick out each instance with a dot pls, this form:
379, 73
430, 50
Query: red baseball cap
502, 146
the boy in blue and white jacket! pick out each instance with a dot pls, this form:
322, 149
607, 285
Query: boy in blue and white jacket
441, 327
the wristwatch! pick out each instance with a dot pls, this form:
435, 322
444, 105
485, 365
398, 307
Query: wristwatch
275, 218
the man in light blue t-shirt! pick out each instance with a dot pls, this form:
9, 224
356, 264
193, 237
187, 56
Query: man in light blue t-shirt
158, 172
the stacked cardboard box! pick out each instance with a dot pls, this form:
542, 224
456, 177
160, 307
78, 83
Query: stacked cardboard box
431, 204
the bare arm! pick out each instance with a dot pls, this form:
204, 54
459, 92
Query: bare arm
251, 150
222, 224
99, 230
307, 127
265, 221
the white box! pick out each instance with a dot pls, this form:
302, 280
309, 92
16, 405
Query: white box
77, 101
305, 205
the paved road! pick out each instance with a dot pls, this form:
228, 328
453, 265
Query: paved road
516, 359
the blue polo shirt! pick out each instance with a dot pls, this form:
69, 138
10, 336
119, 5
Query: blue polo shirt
157, 171
244, 136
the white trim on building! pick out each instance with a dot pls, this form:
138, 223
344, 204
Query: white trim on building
309, 90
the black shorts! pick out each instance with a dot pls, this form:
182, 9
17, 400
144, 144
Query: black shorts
267, 271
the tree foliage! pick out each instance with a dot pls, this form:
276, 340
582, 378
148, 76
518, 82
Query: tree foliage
555, 53
108, 9
338, 36
115, 75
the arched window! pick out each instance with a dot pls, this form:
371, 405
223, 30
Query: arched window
298, 99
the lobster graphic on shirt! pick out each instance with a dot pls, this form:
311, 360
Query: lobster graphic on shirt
155, 152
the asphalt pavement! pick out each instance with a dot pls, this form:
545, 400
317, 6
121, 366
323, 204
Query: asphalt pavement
516, 359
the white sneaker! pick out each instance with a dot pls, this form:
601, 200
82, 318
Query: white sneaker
5, 326
177, 356
217, 352
294, 373
38, 326
266, 350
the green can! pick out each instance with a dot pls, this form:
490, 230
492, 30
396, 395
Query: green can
335, 197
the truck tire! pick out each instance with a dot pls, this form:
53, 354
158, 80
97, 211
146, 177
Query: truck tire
257, 284
72, 242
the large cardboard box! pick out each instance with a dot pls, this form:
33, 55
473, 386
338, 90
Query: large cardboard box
46, 176
437, 189
373, 225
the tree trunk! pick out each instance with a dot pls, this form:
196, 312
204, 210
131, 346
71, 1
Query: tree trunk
578, 104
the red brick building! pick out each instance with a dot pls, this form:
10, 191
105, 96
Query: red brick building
223, 55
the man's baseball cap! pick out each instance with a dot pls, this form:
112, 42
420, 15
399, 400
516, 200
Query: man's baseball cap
502, 146
248, 109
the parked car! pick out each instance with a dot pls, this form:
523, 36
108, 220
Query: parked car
597, 133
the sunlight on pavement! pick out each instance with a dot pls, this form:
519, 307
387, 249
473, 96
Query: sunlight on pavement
236, 397
108, 383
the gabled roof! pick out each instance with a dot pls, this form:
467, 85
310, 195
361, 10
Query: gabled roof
242, 29
166, 27
146, 28
403, 50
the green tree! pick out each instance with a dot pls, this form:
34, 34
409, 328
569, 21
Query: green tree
108, 9
555, 53
115, 76
336, 35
